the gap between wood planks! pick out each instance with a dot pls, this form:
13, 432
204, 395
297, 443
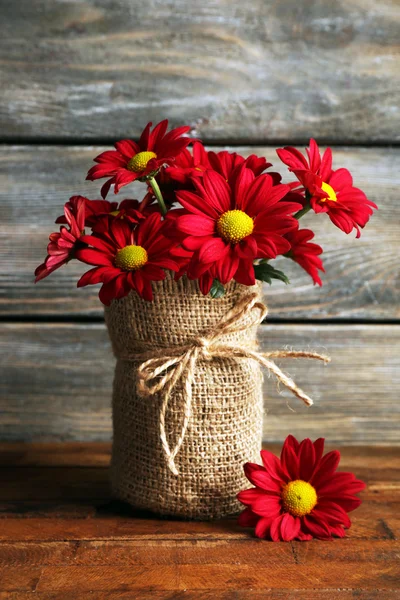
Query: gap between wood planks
105, 141
82, 319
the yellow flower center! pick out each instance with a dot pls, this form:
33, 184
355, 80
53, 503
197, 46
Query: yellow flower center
114, 213
299, 498
131, 258
330, 191
139, 162
234, 225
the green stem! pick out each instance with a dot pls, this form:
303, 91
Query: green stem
158, 195
302, 212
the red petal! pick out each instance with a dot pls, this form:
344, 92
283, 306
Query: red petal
144, 138
261, 479
332, 513
98, 243
127, 148
314, 156
319, 450
290, 462
107, 293
317, 528
292, 443
243, 181
158, 133
304, 537
306, 459
340, 180
289, 527
273, 466
275, 529
213, 250
227, 266
94, 276
123, 177
326, 165
217, 190
106, 187
347, 502
196, 225
266, 505
262, 527
338, 531
257, 194
196, 204
247, 248
247, 518
245, 272
327, 467
338, 481
93, 257
292, 158
246, 497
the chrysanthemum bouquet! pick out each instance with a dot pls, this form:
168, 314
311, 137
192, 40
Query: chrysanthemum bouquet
212, 216
208, 226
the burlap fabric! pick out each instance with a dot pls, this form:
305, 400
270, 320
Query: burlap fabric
225, 426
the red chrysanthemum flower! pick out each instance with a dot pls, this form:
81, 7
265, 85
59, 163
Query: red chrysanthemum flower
228, 226
64, 244
229, 164
189, 165
330, 191
133, 160
99, 212
127, 258
306, 253
300, 496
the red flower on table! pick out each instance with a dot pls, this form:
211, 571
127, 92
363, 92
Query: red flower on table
299, 496
64, 244
330, 191
228, 226
131, 160
127, 258
306, 253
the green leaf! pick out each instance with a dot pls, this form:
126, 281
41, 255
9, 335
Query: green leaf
266, 272
217, 289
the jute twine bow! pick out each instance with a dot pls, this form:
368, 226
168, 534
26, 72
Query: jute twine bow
166, 366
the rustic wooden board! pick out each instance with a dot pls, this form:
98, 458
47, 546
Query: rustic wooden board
124, 554
362, 279
269, 70
252, 594
55, 383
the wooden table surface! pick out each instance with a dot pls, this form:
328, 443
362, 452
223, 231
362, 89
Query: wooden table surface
62, 537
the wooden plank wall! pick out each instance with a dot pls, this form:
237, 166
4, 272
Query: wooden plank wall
76, 75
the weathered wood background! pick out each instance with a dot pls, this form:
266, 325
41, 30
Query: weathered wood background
76, 75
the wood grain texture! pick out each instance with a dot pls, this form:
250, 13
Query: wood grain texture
282, 594
245, 594
55, 383
362, 278
126, 554
265, 70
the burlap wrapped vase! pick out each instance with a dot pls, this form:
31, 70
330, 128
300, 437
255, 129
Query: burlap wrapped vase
187, 399
224, 419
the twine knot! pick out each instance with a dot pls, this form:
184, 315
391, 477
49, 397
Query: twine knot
201, 342
166, 366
